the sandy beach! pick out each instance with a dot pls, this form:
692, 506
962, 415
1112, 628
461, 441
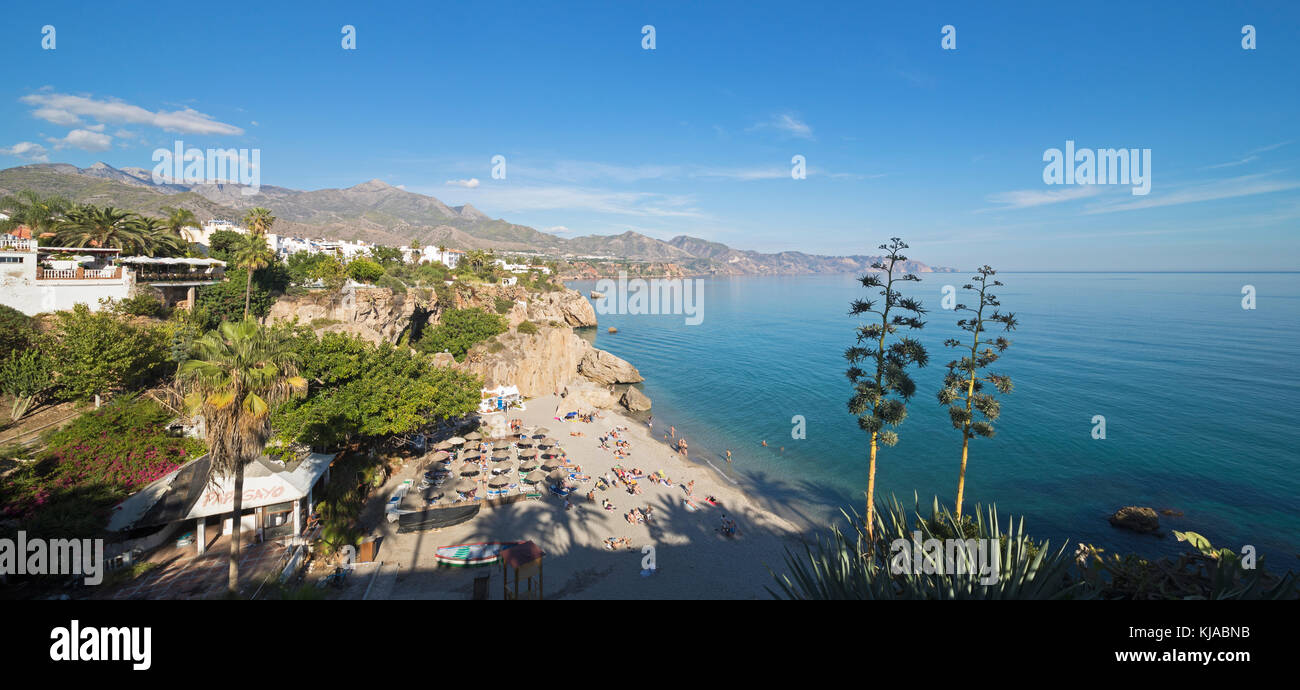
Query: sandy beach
694, 560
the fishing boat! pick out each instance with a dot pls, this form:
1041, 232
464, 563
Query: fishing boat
472, 555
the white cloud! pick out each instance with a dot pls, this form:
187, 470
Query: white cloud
26, 150
67, 109
471, 183
1246, 185
1027, 198
515, 199
787, 124
83, 139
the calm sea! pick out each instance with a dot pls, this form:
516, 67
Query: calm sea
1201, 400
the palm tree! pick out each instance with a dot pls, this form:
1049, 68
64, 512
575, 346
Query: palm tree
180, 218
39, 214
259, 220
235, 374
96, 226
963, 386
156, 237
871, 402
252, 254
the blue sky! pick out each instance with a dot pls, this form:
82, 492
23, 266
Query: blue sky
901, 137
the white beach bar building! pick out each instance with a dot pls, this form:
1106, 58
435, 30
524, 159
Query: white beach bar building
277, 499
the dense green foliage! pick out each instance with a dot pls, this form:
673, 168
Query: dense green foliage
362, 390
98, 352
459, 330
364, 270
503, 305
222, 242
225, 301
527, 327
27, 375
16, 330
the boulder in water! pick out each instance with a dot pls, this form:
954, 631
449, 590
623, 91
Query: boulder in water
1136, 518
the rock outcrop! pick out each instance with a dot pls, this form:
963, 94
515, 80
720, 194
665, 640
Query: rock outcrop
568, 307
539, 363
634, 400
602, 367
582, 395
1136, 518
375, 314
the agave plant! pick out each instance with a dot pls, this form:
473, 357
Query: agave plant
1207, 573
884, 566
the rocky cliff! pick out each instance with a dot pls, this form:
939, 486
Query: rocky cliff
375, 314
538, 363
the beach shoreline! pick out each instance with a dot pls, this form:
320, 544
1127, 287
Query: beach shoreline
693, 559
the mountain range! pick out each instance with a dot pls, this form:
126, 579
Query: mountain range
377, 212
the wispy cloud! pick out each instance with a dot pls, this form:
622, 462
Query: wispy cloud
1028, 198
471, 183
70, 110
517, 199
787, 124
1245, 185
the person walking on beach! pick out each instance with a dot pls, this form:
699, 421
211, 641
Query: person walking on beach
728, 456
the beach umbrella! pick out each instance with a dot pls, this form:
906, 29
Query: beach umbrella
466, 485
525, 443
468, 469
558, 475
529, 453
550, 464
502, 468
500, 453
527, 465
502, 461
442, 445
548, 454
433, 492
535, 476
456, 441
441, 456
541, 430
473, 436
470, 455
499, 480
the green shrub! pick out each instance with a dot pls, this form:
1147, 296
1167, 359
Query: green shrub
528, 328
27, 376
142, 304
97, 352
17, 330
503, 305
397, 286
459, 330
364, 270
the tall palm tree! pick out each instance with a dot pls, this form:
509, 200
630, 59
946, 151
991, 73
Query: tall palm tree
100, 226
236, 373
40, 214
259, 220
180, 218
252, 254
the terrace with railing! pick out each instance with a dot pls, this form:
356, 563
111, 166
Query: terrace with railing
17, 244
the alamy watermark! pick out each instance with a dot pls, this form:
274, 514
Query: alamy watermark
196, 166
946, 557
654, 296
1100, 166
23, 556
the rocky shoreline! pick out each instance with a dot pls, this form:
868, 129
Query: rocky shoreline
552, 359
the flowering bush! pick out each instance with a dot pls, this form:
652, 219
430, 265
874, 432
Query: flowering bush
88, 466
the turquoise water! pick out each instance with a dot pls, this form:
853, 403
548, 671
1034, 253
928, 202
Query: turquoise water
1200, 398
